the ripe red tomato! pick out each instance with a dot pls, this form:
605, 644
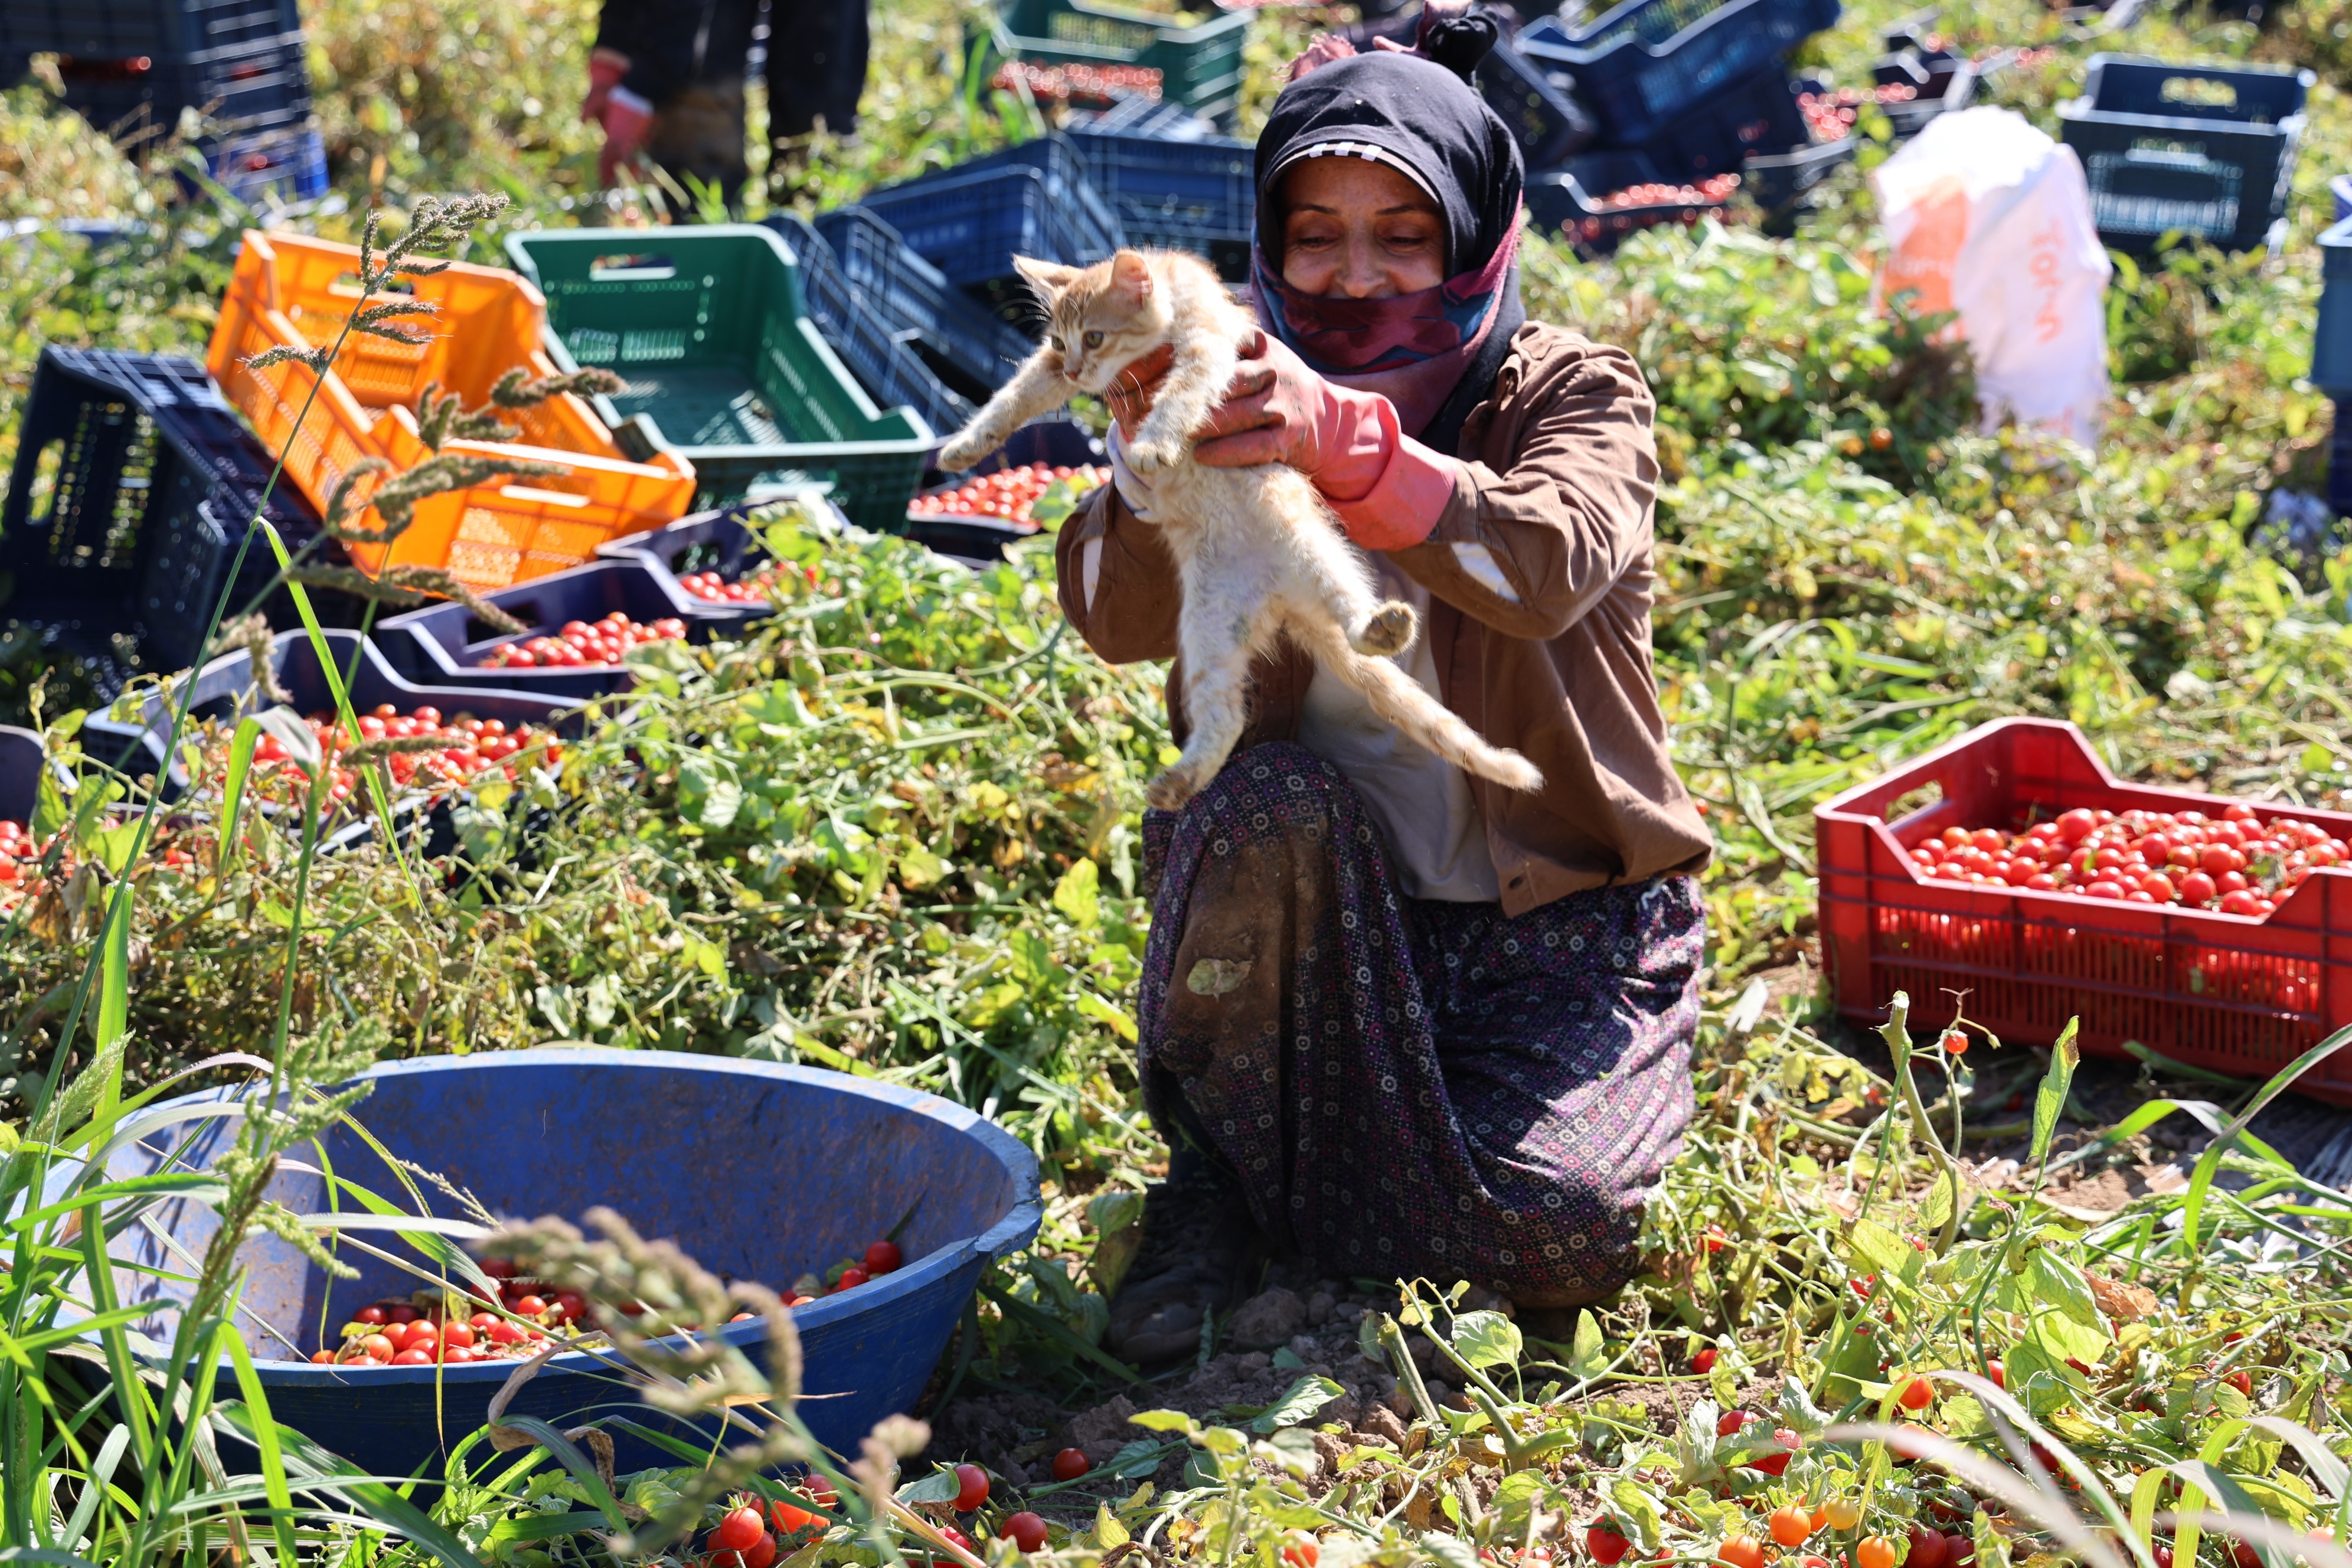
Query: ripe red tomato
1730, 1422
2240, 1379
1790, 1525
1606, 1545
413, 1358
529, 1307
1301, 1551
1959, 1551
972, 1488
458, 1336
1024, 1530
2243, 1555
1916, 1395
1874, 1551
1955, 1042
882, 1258
740, 1527
851, 1278
1070, 1464
1740, 1551
1704, 1362
1926, 1548
369, 1315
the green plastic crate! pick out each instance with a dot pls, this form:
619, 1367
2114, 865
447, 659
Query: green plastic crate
1199, 66
708, 326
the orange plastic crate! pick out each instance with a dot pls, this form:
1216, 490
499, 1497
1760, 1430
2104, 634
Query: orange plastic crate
292, 290
2227, 993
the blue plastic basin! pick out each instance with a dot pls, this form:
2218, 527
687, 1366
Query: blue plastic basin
756, 1170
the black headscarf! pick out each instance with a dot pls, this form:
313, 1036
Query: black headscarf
1430, 123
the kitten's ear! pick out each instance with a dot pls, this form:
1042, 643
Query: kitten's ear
1048, 277
1130, 274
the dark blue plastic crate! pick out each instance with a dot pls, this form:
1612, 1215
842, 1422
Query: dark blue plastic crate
882, 358
2331, 347
2204, 151
970, 221
1163, 117
717, 542
1538, 104
134, 484
247, 88
445, 644
1642, 65
289, 164
1780, 184
970, 348
1059, 443
1738, 121
2340, 190
1199, 196
1567, 201
126, 29
2339, 465
225, 691
21, 761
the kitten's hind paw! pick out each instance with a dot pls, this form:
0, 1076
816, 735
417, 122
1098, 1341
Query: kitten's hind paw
964, 452
1391, 630
1149, 457
1171, 789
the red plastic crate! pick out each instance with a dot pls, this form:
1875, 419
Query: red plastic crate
2227, 993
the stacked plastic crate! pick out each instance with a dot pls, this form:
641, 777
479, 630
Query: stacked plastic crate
1682, 94
133, 65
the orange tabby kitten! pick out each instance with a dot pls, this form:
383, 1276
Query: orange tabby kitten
1258, 553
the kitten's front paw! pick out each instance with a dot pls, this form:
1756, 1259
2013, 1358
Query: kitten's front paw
1149, 457
1171, 789
1389, 631
964, 452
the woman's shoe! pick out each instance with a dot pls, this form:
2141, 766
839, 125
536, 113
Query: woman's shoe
1199, 1245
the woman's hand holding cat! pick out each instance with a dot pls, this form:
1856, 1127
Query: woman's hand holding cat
1387, 487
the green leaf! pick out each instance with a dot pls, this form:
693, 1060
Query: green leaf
1103, 1012
1588, 1357
1486, 1339
322, 1472
1308, 1395
2049, 1101
240, 764
940, 1486
1162, 1421
1078, 894
2058, 1283
1880, 1248
49, 812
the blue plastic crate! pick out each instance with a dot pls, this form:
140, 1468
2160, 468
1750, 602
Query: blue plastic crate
1135, 116
289, 164
1538, 104
883, 359
1059, 443
133, 487
226, 690
126, 29
2339, 465
2331, 346
1030, 200
443, 645
1567, 201
970, 348
1642, 65
21, 761
2340, 189
1199, 196
2204, 151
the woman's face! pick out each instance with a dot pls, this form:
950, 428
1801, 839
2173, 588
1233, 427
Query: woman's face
1354, 229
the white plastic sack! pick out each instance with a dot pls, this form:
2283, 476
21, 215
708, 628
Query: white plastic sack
1989, 217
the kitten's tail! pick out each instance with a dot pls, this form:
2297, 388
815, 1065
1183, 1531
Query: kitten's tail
1421, 718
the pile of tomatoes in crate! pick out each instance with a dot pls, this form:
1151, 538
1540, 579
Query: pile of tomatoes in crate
583, 643
759, 588
1007, 495
1711, 191
471, 748
423, 1331
1078, 82
1830, 116
881, 1257
2235, 863
19, 858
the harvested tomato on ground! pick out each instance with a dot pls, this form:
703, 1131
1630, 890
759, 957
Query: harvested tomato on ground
583, 643
2235, 863
1007, 495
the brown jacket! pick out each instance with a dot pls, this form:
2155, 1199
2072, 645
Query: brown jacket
1561, 471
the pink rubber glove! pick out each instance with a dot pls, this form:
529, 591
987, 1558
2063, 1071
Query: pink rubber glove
1388, 489
627, 118
606, 70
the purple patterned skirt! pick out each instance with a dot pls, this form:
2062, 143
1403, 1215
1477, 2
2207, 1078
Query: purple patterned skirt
1405, 1086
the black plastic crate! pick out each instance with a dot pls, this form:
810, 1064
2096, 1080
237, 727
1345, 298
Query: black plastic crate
1781, 184
126, 29
225, 691
1569, 201
970, 221
133, 485
1059, 443
1538, 104
2204, 151
1642, 67
445, 644
1199, 196
969, 348
717, 542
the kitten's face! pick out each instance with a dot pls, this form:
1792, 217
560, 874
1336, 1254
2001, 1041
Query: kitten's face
1102, 318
